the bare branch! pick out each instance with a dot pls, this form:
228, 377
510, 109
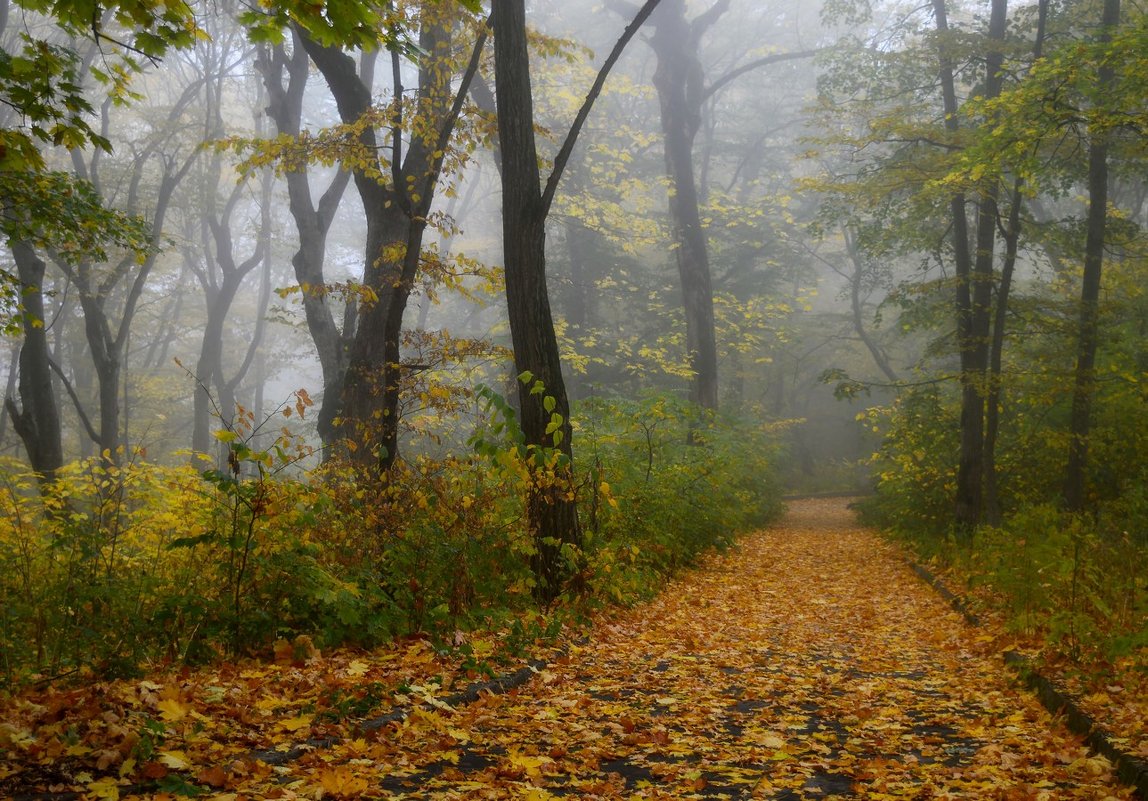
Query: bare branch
567, 148
764, 61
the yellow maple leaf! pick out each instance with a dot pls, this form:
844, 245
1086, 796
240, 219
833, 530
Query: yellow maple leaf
341, 782
296, 723
176, 760
357, 668
106, 789
171, 710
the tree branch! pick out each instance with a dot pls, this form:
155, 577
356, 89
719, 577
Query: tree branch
567, 148
88, 427
764, 61
451, 119
705, 20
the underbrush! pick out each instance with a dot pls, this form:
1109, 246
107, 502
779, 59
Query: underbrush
1079, 585
116, 567
1076, 583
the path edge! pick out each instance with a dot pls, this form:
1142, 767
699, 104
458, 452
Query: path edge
1131, 770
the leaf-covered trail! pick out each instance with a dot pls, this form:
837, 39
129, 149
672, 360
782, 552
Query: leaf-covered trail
808, 663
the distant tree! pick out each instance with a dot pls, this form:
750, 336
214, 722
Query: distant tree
285, 71
217, 262
1088, 327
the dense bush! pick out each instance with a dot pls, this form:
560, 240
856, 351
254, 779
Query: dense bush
1078, 582
669, 494
112, 566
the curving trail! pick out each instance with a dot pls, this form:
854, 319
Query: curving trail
808, 663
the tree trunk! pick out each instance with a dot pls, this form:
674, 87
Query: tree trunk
397, 216
970, 460
992, 503
855, 301
551, 509
38, 421
678, 81
313, 222
1075, 494
975, 347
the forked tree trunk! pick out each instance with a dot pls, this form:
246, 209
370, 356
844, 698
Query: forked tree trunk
37, 417
552, 512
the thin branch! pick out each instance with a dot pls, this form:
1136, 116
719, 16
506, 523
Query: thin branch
448, 124
88, 427
567, 148
764, 61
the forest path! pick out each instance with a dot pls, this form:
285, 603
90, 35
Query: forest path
809, 662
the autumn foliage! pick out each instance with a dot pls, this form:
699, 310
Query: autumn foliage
114, 567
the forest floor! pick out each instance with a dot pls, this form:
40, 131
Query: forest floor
808, 662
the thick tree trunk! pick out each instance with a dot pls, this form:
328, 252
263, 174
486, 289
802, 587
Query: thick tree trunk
1075, 494
37, 418
396, 224
551, 508
313, 222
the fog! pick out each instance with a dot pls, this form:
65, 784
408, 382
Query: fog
811, 273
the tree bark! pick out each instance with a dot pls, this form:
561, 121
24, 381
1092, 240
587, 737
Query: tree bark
1075, 490
285, 77
397, 214
970, 460
992, 503
551, 509
37, 418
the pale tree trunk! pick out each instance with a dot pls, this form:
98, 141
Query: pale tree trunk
221, 275
285, 77
36, 419
857, 307
678, 81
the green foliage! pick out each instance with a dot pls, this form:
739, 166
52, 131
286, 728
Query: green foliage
112, 567
59, 211
41, 81
916, 476
658, 499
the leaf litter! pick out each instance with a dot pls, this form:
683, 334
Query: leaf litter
806, 663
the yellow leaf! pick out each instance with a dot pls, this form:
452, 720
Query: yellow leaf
176, 760
105, 788
171, 710
340, 782
296, 723
773, 741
